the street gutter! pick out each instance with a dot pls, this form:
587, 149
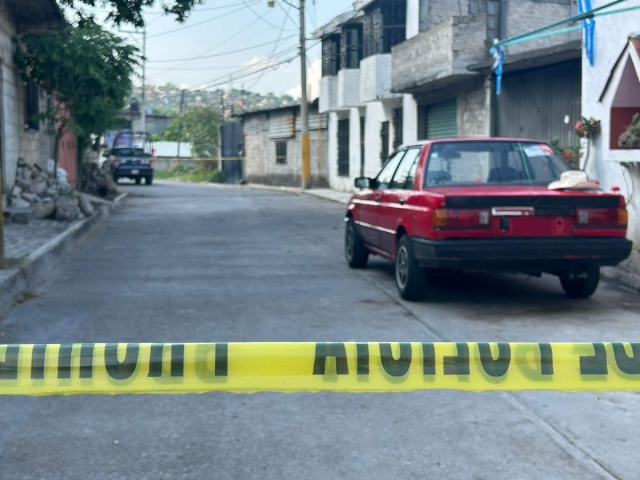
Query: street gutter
41, 263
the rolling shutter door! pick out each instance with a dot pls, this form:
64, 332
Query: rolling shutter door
442, 120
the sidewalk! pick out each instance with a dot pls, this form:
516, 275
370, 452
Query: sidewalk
33, 251
331, 195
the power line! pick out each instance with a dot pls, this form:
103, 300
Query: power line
199, 23
261, 17
228, 39
223, 53
275, 65
273, 52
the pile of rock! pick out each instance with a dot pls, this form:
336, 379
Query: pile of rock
98, 181
44, 196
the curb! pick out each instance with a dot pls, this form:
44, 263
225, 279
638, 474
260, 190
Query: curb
43, 261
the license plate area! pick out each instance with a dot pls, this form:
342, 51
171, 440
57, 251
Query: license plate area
135, 172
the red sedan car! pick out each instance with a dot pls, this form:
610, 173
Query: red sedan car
483, 205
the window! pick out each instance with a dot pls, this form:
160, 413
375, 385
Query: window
351, 47
403, 179
363, 125
397, 128
343, 148
384, 26
492, 10
330, 47
491, 163
384, 138
281, 153
32, 105
386, 174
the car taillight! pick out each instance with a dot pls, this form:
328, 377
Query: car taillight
116, 161
465, 218
602, 217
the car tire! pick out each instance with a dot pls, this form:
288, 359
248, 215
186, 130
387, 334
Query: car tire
148, 180
138, 180
582, 283
355, 252
411, 280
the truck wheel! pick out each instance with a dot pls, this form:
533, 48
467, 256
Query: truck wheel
138, 180
581, 283
410, 278
148, 180
354, 250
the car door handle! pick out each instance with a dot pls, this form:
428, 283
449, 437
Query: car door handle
377, 199
402, 201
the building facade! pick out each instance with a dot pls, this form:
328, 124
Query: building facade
424, 72
611, 94
21, 136
272, 146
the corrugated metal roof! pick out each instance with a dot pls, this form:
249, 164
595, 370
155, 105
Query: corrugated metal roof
281, 125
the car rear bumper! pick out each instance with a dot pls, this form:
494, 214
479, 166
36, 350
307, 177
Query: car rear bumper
520, 254
128, 171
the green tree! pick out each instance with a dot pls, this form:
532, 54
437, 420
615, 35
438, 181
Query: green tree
89, 72
199, 128
131, 11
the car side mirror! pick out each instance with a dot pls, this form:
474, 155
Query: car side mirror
364, 183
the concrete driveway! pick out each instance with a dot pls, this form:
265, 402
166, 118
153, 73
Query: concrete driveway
190, 263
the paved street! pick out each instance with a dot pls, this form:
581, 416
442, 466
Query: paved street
191, 263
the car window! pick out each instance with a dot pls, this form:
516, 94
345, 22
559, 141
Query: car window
406, 170
386, 174
491, 163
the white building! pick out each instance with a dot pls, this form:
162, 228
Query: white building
611, 94
395, 71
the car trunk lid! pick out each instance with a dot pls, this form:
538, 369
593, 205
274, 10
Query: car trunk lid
517, 211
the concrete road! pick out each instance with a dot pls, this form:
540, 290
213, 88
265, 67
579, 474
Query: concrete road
200, 264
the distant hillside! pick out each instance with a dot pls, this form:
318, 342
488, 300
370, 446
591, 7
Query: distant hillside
166, 99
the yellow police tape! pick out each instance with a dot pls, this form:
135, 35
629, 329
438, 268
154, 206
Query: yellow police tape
89, 368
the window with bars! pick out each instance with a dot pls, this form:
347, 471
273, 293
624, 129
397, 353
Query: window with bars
343, 148
384, 139
281, 153
351, 46
32, 105
397, 128
330, 50
383, 26
492, 9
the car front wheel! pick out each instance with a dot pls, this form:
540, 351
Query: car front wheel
580, 283
354, 250
410, 278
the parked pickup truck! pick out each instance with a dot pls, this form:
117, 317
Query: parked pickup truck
132, 157
491, 204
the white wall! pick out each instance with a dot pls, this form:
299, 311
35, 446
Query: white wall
611, 36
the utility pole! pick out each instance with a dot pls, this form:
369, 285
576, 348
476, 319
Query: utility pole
304, 101
304, 104
143, 106
180, 124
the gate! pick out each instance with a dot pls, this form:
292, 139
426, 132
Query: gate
231, 152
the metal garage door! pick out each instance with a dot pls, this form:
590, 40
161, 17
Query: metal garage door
442, 120
542, 104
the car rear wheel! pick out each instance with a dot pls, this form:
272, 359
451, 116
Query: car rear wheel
410, 278
580, 283
138, 180
354, 250
148, 180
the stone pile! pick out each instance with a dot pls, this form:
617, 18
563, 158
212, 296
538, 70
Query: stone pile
41, 193
98, 181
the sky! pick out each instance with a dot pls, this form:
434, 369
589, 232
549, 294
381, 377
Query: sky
223, 28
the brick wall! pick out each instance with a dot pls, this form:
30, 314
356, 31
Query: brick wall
473, 115
34, 146
525, 15
261, 167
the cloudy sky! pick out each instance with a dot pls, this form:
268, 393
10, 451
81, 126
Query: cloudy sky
222, 39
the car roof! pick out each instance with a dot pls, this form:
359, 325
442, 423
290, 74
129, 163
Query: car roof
469, 139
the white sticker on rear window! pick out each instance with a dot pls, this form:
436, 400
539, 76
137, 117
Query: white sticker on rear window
534, 151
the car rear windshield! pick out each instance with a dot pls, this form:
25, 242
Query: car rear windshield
492, 163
